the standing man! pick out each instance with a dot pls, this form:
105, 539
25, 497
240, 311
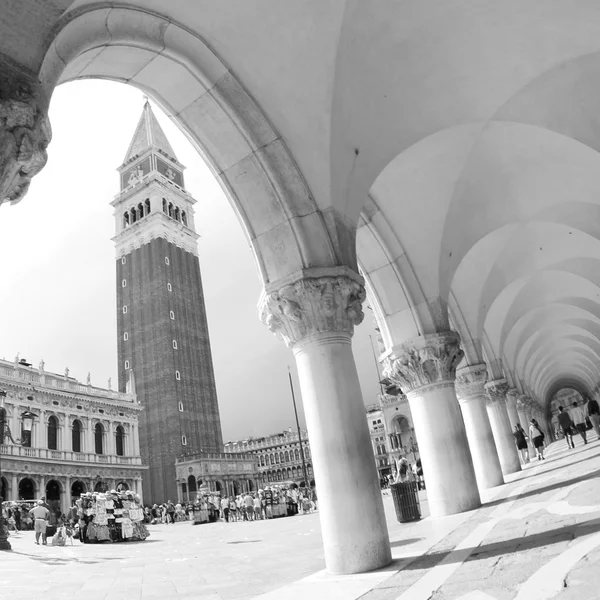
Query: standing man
593, 410
578, 417
170, 512
564, 420
40, 514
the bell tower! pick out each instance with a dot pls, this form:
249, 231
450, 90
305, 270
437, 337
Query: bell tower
163, 341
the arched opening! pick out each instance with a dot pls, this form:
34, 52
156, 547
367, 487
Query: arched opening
53, 492
184, 218
140, 211
76, 436
281, 457
100, 486
262, 461
236, 488
177, 217
126, 219
120, 440
3, 423
147, 205
99, 438
297, 454
170, 212
122, 486
192, 488
77, 488
399, 436
52, 433
287, 456
218, 486
184, 495
3, 489
294, 473
26, 489
133, 214
250, 485
164, 206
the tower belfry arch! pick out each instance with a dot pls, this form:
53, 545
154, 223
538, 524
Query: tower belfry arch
162, 329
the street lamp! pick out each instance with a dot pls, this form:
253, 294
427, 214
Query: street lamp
25, 440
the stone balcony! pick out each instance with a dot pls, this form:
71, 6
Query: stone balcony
9, 450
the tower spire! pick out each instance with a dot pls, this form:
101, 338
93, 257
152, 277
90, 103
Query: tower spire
148, 134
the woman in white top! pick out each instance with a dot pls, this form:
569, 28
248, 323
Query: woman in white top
537, 438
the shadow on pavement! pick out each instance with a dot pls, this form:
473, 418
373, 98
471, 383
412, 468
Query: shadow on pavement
405, 542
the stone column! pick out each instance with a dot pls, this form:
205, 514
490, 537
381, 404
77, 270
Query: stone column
14, 484
67, 495
511, 407
472, 399
505, 441
42, 431
424, 369
316, 318
24, 132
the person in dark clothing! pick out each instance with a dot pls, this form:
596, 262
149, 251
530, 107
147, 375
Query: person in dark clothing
593, 411
564, 420
521, 441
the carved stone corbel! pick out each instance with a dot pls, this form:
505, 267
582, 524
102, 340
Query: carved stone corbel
24, 133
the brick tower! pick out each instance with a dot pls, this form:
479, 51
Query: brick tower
163, 342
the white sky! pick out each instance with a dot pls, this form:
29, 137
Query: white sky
58, 299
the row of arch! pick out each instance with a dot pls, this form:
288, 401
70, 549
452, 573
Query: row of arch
29, 490
135, 213
76, 435
282, 457
174, 212
286, 474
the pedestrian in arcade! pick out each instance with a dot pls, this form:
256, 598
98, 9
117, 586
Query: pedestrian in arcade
593, 410
537, 438
521, 441
578, 417
564, 420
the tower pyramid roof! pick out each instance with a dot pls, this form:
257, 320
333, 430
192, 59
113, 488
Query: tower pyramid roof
148, 134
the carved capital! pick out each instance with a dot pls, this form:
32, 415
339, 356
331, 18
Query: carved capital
24, 134
313, 305
511, 397
470, 381
430, 359
496, 390
521, 405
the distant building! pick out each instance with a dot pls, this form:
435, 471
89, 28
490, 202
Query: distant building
83, 438
379, 439
278, 456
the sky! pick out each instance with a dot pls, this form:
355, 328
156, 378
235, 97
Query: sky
59, 275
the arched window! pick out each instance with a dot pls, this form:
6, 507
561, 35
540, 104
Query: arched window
297, 454
147, 205
177, 217
3, 423
99, 438
171, 209
76, 436
281, 457
165, 206
184, 218
276, 458
309, 469
52, 433
126, 219
294, 473
140, 210
271, 459
192, 485
287, 456
262, 461
133, 215
120, 441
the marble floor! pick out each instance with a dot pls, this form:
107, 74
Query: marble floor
536, 538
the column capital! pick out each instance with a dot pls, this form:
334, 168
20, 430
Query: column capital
428, 360
314, 305
24, 133
470, 381
511, 397
496, 390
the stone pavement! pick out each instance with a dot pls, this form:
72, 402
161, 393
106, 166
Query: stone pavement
536, 538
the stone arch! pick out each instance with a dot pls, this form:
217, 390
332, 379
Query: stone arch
250, 160
27, 488
4, 488
78, 487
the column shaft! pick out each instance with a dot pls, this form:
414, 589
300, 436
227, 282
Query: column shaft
471, 396
503, 437
342, 456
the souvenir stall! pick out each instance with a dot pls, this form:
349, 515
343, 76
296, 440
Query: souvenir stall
111, 517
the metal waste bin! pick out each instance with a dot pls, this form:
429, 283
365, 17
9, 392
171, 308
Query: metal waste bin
406, 501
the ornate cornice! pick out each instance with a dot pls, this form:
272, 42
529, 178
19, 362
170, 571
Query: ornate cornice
313, 305
430, 359
470, 381
24, 133
496, 390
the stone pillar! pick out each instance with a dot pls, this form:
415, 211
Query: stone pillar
67, 495
511, 407
424, 369
14, 485
24, 132
505, 441
42, 431
42, 490
472, 399
316, 318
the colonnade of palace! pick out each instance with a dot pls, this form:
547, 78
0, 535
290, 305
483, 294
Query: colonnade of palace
464, 420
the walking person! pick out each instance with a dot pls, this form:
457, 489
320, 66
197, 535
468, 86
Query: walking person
40, 513
578, 417
170, 512
593, 410
521, 441
564, 420
537, 438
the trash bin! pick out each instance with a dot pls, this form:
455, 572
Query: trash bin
406, 501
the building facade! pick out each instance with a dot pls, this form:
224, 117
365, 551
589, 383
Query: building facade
84, 438
278, 457
226, 473
161, 318
379, 439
